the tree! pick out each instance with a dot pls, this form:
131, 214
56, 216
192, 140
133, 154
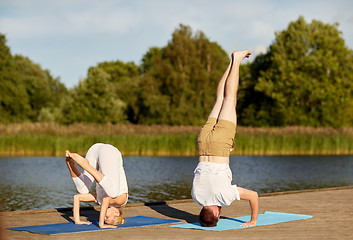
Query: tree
44, 92
254, 108
13, 97
179, 81
26, 89
58, 92
125, 79
305, 78
93, 100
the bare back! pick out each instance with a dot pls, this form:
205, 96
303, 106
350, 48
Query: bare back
214, 159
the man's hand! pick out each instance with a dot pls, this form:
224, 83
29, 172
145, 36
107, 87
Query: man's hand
253, 198
248, 224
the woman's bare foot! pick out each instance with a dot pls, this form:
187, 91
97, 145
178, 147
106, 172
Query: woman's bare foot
241, 55
76, 157
68, 155
68, 158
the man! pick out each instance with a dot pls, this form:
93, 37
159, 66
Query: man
212, 177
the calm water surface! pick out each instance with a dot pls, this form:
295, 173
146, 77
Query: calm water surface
44, 182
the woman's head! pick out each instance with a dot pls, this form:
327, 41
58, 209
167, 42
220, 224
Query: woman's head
114, 216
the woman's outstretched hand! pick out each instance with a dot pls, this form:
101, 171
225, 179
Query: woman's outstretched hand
107, 226
83, 222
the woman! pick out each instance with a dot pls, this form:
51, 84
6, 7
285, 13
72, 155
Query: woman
104, 164
212, 186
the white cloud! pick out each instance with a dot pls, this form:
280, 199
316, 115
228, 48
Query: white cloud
260, 49
63, 18
109, 22
89, 31
261, 29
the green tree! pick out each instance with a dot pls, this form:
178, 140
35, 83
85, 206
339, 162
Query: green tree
154, 106
254, 108
14, 105
36, 84
58, 92
125, 79
44, 92
305, 79
93, 100
27, 91
179, 81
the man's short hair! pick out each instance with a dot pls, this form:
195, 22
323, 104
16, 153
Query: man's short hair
207, 218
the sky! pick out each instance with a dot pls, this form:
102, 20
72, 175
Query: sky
69, 36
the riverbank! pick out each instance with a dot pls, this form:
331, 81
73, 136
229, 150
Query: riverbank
51, 139
331, 210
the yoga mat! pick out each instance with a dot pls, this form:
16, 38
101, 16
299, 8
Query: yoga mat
266, 218
70, 227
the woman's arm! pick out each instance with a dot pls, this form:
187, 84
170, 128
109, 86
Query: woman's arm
105, 204
83, 197
74, 171
253, 198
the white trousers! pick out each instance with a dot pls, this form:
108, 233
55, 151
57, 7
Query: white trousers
106, 159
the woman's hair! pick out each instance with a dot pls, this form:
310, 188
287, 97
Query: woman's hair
119, 219
207, 218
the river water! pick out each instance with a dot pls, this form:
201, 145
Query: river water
44, 182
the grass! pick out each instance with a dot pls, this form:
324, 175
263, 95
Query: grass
50, 139
27, 145
294, 145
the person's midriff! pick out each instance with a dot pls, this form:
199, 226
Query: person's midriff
214, 159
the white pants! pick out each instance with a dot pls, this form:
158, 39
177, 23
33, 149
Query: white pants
106, 159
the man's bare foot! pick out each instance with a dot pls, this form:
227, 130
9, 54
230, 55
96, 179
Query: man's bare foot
241, 55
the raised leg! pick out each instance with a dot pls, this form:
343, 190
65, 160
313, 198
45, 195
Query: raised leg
90, 172
83, 182
220, 93
227, 111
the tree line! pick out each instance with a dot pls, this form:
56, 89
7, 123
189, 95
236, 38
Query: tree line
305, 78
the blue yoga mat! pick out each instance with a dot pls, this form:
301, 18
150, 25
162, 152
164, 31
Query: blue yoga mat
266, 218
70, 227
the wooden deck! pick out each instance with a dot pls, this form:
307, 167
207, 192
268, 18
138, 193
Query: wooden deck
332, 211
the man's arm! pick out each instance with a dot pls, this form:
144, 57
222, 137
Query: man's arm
253, 198
83, 197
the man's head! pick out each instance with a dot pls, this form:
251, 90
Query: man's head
209, 216
114, 216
